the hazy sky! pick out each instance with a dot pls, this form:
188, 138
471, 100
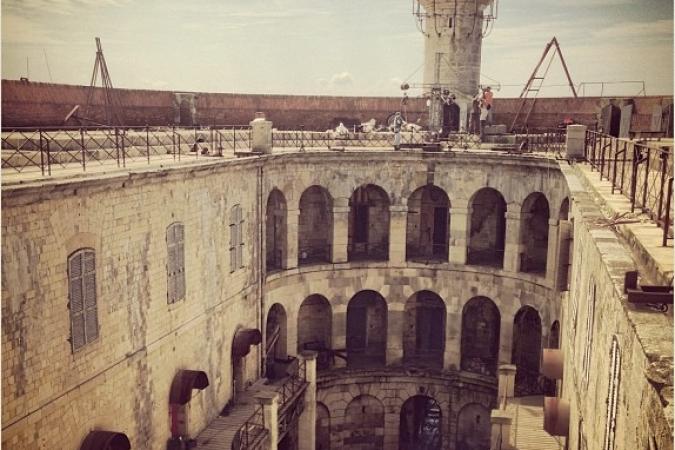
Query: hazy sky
336, 47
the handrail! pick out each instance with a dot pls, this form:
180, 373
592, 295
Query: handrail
640, 171
45, 149
251, 431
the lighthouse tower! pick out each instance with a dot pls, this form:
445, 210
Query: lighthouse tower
454, 31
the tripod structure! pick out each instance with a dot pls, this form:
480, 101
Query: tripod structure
539, 80
112, 106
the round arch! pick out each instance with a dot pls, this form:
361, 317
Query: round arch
368, 229
473, 427
275, 341
315, 226
315, 328
424, 330
526, 351
428, 221
487, 229
481, 322
366, 330
275, 230
421, 424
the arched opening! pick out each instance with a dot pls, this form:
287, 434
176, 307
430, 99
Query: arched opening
366, 330
488, 229
473, 427
368, 234
420, 425
428, 224
275, 231
424, 330
315, 328
564, 209
243, 339
534, 233
105, 440
315, 226
180, 394
526, 354
276, 360
451, 115
364, 424
481, 324
322, 427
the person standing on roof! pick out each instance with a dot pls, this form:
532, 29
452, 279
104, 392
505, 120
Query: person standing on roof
488, 97
398, 123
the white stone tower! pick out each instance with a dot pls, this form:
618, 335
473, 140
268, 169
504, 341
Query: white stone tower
454, 31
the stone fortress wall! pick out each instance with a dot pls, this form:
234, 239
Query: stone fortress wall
53, 396
30, 104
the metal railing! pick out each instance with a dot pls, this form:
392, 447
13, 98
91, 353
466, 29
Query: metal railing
640, 170
544, 139
251, 432
295, 383
46, 149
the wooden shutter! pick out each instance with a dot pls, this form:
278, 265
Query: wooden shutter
82, 298
171, 264
240, 236
180, 261
89, 287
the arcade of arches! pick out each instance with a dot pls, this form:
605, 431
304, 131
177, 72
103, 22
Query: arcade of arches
428, 331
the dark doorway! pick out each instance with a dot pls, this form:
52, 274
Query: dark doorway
315, 226
440, 232
488, 229
275, 229
366, 330
450, 118
185, 111
473, 428
480, 336
534, 234
420, 424
526, 353
424, 330
368, 231
428, 223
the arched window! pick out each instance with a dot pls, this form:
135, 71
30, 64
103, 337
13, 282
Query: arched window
315, 328
368, 234
315, 226
428, 224
473, 427
236, 238
364, 424
322, 427
175, 263
275, 230
488, 228
481, 323
82, 297
534, 233
275, 342
421, 424
424, 330
526, 354
366, 330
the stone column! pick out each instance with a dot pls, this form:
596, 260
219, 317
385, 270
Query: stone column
395, 319
291, 258
339, 338
307, 420
270, 403
398, 226
459, 233
340, 229
552, 253
512, 246
501, 430
506, 382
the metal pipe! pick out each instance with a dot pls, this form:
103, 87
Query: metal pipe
646, 181
84, 156
666, 222
42, 156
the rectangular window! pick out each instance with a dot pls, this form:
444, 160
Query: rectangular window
175, 266
82, 298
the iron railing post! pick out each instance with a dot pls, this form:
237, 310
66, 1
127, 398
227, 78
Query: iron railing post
173, 142
117, 145
42, 156
623, 163
147, 141
666, 222
49, 157
124, 160
633, 178
646, 180
664, 165
84, 155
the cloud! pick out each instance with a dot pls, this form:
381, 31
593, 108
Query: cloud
19, 30
659, 29
61, 7
342, 79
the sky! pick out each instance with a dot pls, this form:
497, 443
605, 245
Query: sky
329, 47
